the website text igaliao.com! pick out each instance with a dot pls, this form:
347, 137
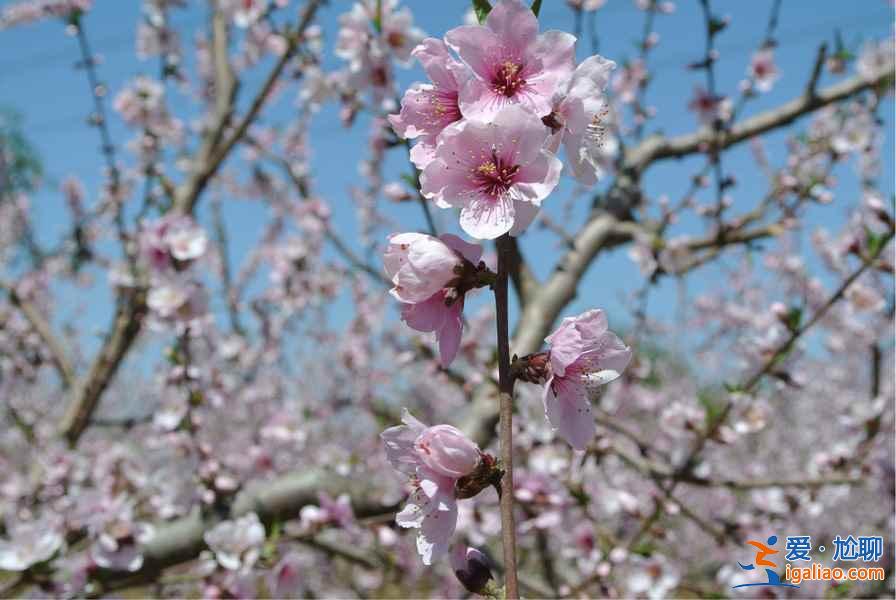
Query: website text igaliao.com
816, 572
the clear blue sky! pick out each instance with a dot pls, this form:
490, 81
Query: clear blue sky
37, 78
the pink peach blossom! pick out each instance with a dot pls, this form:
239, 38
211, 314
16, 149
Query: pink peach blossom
578, 109
763, 69
419, 265
422, 269
426, 109
584, 355
512, 63
496, 172
447, 451
425, 455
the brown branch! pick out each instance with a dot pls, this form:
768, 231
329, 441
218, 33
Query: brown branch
655, 470
58, 357
301, 185
212, 153
216, 148
612, 226
658, 147
129, 313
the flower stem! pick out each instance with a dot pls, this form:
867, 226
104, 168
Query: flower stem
505, 385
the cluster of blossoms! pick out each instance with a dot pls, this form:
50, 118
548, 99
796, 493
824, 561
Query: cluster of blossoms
142, 105
183, 460
487, 130
490, 123
373, 36
444, 465
29, 11
169, 246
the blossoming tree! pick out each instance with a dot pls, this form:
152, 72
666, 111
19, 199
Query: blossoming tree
228, 437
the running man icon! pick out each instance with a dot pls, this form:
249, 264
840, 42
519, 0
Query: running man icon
762, 551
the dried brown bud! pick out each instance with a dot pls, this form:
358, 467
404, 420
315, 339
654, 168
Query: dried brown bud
484, 475
533, 368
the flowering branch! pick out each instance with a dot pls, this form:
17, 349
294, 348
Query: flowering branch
747, 386
57, 353
658, 147
281, 499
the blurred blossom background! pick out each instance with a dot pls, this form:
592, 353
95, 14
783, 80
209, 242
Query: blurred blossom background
199, 351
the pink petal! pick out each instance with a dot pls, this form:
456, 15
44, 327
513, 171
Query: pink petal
435, 533
437, 62
449, 334
525, 214
607, 354
477, 100
566, 346
487, 218
536, 180
472, 252
591, 77
519, 134
592, 323
412, 122
446, 179
428, 315
422, 153
556, 49
476, 46
582, 169
568, 410
514, 23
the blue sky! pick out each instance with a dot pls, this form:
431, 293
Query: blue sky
37, 79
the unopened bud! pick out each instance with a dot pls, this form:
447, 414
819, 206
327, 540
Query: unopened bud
472, 570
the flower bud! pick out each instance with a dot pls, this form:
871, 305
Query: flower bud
447, 451
419, 265
471, 568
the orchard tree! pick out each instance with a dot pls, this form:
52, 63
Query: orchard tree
235, 433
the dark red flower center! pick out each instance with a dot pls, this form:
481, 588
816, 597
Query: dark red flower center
494, 177
508, 79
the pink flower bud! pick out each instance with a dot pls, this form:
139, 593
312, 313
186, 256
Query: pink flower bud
419, 265
447, 451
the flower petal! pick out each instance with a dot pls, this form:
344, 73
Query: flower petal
426, 316
449, 334
487, 218
568, 410
513, 22
472, 252
436, 530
